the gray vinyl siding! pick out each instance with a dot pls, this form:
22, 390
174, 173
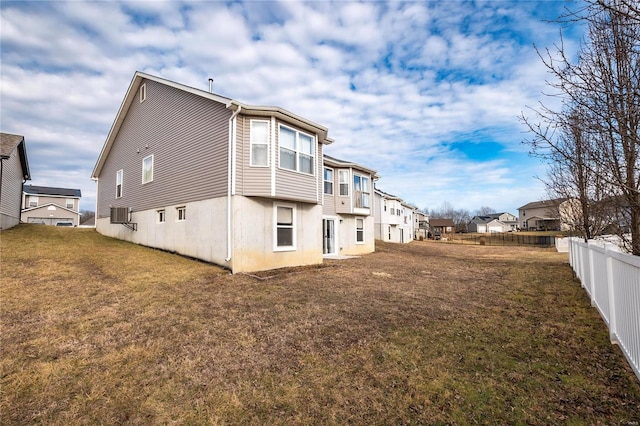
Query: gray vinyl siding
292, 185
11, 195
251, 181
257, 181
188, 137
44, 199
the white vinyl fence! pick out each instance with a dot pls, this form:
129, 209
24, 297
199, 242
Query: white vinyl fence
612, 280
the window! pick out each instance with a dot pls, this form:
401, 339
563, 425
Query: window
285, 227
182, 213
343, 176
33, 201
359, 230
162, 216
296, 150
147, 169
328, 181
398, 212
143, 93
393, 211
119, 184
361, 188
69, 203
259, 143
389, 233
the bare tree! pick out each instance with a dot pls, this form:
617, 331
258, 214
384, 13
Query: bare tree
595, 135
484, 211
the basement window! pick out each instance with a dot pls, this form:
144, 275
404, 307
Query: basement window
182, 213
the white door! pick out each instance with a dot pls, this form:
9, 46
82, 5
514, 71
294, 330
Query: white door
328, 236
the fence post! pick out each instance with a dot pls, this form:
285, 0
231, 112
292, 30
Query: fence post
592, 280
613, 331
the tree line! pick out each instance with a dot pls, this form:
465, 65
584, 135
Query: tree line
591, 141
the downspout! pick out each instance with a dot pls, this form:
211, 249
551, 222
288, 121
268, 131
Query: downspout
232, 135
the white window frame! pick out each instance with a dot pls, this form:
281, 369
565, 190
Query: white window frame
70, 201
161, 215
356, 226
119, 179
325, 181
293, 226
32, 199
346, 182
143, 92
253, 142
143, 169
361, 192
181, 214
296, 150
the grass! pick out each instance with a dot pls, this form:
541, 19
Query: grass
100, 331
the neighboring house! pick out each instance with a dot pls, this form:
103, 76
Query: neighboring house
14, 172
51, 206
421, 225
549, 215
206, 176
441, 227
347, 216
495, 222
393, 218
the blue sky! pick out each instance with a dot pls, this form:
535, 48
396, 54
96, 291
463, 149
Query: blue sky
426, 93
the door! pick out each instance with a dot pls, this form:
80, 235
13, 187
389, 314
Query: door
328, 236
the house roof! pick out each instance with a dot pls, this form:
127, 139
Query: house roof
387, 195
47, 190
46, 206
335, 162
231, 104
441, 222
544, 203
8, 143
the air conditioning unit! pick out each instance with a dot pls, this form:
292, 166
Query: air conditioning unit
119, 214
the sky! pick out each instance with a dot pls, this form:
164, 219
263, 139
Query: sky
426, 93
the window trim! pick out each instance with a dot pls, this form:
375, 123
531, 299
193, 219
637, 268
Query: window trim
119, 180
66, 203
293, 226
161, 216
346, 173
143, 161
297, 151
360, 193
325, 181
181, 214
252, 143
356, 226
34, 198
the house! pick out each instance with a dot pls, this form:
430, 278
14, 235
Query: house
494, 222
421, 225
347, 215
393, 218
441, 227
206, 176
51, 206
558, 214
14, 172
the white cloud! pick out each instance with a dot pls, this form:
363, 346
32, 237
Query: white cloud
396, 83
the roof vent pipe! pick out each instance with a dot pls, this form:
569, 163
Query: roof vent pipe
210, 85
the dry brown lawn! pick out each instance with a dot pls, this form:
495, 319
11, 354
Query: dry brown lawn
99, 331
